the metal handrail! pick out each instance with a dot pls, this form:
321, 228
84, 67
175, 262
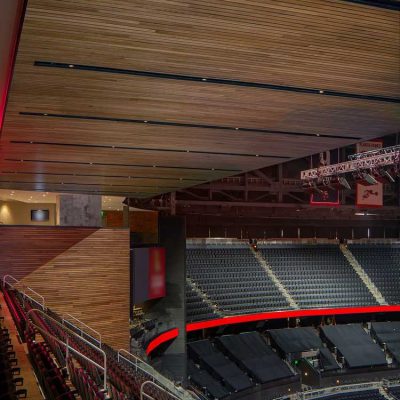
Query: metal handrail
86, 326
130, 354
5, 280
317, 393
147, 396
104, 368
36, 293
23, 287
66, 343
136, 365
148, 370
195, 395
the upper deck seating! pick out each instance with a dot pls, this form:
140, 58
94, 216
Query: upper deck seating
317, 276
234, 280
382, 264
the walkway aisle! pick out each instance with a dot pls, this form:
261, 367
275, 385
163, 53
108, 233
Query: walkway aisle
30, 383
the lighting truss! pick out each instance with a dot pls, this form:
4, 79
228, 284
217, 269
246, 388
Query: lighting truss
359, 162
371, 153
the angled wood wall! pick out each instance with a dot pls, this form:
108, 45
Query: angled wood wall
87, 276
23, 249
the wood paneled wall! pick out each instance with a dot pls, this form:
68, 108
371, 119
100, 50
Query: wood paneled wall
23, 249
79, 271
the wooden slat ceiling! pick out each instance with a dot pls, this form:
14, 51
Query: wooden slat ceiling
138, 98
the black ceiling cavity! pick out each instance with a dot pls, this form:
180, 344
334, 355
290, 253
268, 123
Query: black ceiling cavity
125, 165
214, 81
184, 125
97, 146
104, 176
388, 4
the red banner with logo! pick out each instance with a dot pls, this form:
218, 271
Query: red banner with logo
156, 287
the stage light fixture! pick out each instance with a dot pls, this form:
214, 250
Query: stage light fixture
384, 176
369, 178
311, 187
339, 182
364, 178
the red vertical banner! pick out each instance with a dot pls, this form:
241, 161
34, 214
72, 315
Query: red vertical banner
156, 288
370, 196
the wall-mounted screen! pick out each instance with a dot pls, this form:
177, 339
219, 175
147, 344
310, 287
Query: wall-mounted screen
40, 215
148, 273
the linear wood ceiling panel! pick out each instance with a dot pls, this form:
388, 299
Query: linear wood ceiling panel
128, 157
191, 176
121, 96
335, 44
225, 86
58, 130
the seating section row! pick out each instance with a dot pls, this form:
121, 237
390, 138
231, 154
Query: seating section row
237, 362
395, 392
10, 380
234, 363
360, 395
124, 379
196, 308
317, 276
51, 379
388, 335
355, 345
314, 275
233, 279
382, 264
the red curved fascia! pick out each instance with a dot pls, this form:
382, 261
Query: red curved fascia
317, 312
241, 319
164, 337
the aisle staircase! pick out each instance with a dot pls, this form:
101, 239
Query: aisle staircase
263, 262
363, 275
203, 295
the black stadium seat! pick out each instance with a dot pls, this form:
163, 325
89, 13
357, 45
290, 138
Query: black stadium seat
218, 365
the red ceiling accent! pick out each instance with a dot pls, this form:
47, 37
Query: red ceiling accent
16, 31
241, 319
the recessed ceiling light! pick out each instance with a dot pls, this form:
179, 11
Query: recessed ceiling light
321, 92
71, 65
204, 79
145, 122
317, 134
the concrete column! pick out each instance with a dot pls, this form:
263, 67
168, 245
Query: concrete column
79, 210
